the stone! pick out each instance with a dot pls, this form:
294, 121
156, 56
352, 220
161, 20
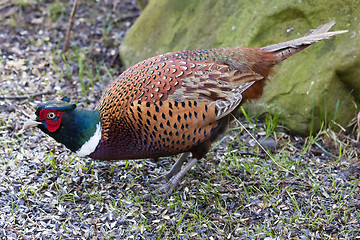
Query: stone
319, 86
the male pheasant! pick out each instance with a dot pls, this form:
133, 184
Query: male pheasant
169, 104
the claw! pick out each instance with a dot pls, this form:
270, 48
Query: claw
166, 190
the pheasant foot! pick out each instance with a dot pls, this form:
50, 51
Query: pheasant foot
167, 189
175, 168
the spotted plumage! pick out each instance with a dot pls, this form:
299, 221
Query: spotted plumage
169, 104
157, 107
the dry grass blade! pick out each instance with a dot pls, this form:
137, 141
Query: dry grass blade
355, 122
262, 148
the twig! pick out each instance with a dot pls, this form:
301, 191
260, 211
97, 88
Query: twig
17, 232
123, 18
19, 97
4, 4
71, 21
9, 12
116, 56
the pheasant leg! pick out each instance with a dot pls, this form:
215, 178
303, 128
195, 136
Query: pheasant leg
176, 167
168, 188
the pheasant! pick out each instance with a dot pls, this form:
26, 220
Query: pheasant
174, 103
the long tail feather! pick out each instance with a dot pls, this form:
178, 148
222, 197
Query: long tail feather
289, 48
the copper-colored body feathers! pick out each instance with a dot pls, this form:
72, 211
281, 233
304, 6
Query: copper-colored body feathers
173, 103
179, 102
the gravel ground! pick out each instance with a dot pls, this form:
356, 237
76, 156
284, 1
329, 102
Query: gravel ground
309, 191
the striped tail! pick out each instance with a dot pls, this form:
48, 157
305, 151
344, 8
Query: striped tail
286, 49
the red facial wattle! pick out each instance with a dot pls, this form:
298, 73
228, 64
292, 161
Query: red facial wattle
51, 124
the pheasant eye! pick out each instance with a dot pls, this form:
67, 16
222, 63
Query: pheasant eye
51, 115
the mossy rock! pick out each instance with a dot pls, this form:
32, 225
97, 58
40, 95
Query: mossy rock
321, 84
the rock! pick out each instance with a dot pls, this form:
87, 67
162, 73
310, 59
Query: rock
10, 108
318, 85
268, 143
343, 175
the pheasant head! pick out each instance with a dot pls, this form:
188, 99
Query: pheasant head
79, 130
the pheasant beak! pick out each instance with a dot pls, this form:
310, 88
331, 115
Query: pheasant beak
31, 122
